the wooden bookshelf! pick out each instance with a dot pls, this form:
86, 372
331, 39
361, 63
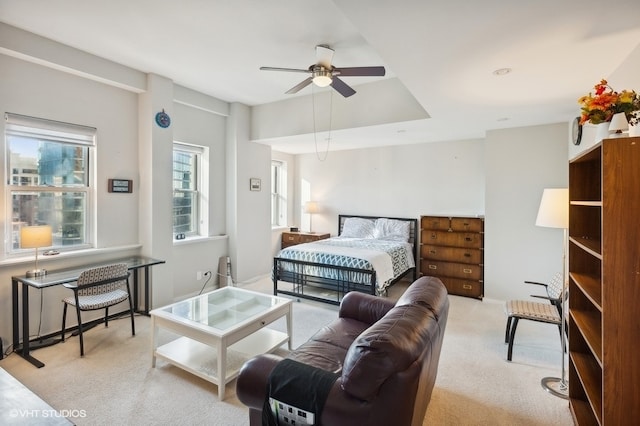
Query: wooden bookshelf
604, 283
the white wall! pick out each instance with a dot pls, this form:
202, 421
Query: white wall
129, 146
34, 90
520, 163
400, 181
249, 212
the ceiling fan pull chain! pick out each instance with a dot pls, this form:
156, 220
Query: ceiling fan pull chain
315, 130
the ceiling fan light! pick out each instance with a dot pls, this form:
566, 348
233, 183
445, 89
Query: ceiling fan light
321, 76
322, 80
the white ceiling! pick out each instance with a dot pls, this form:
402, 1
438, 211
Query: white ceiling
443, 52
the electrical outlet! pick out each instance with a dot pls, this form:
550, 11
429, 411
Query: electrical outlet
199, 275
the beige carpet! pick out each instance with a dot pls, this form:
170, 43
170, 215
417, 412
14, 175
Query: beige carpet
115, 384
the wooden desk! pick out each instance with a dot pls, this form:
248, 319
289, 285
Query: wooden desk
54, 278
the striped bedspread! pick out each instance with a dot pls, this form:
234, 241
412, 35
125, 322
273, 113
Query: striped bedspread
388, 258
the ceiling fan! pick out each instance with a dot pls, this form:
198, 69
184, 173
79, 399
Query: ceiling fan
324, 74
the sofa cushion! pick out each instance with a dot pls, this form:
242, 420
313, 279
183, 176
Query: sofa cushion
391, 345
427, 292
328, 347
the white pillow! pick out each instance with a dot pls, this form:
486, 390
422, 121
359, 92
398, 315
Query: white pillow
357, 227
392, 230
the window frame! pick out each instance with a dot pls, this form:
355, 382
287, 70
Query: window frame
67, 135
201, 221
279, 199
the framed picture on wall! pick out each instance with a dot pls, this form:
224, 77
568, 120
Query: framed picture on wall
255, 184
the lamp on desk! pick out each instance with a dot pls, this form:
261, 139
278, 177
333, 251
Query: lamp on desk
310, 208
554, 213
35, 237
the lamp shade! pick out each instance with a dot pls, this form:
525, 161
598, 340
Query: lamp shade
619, 123
554, 208
311, 207
35, 236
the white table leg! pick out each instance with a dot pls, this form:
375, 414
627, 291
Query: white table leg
222, 368
154, 341
289, 324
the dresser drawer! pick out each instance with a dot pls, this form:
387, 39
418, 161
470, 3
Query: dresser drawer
455, 254
452, 239
306, 238
462, 287
435, 223
289, 239
466, 224
450, 269
293, 238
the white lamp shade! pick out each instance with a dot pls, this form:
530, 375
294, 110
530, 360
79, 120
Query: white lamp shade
311, 207
554, 208
619, 122
35, 236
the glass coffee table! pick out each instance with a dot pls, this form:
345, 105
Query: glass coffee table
218, 331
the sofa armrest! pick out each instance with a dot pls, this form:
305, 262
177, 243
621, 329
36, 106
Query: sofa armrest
251, 385
364, 307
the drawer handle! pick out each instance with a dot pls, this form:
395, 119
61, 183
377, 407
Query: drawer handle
263, 322
467, 255
467, 286
432, 252
467, 270
468, 239
290, 238
433, 267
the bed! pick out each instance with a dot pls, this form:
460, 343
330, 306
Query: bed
369, 255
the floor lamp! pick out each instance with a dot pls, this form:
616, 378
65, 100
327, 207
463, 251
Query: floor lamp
554, 213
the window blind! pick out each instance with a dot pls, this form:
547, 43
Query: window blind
40, 128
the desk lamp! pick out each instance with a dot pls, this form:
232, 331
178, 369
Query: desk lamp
35, 237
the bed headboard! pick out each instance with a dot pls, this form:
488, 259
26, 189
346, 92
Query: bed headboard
413, 228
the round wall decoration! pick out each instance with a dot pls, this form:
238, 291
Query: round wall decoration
576, 131
163, 120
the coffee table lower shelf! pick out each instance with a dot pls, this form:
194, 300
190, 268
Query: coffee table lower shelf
201, 359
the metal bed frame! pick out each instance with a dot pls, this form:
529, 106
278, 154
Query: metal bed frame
300, 284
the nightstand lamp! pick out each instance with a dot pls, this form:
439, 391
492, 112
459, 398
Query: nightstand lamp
310, 208
35, 237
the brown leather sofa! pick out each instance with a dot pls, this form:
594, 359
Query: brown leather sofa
386, 356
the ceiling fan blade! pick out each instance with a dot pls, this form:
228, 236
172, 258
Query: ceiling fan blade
283, 69
341, 87
360, 72
324, 55
301, 85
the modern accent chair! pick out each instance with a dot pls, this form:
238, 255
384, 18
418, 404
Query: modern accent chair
99, 288
550, 313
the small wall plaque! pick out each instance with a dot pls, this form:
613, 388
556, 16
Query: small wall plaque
121, 185
255, 184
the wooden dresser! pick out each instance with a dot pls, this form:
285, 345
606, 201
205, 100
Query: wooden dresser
293, 238
452, 249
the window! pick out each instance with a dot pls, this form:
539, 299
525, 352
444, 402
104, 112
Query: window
48, 179
190, 175
278, 193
